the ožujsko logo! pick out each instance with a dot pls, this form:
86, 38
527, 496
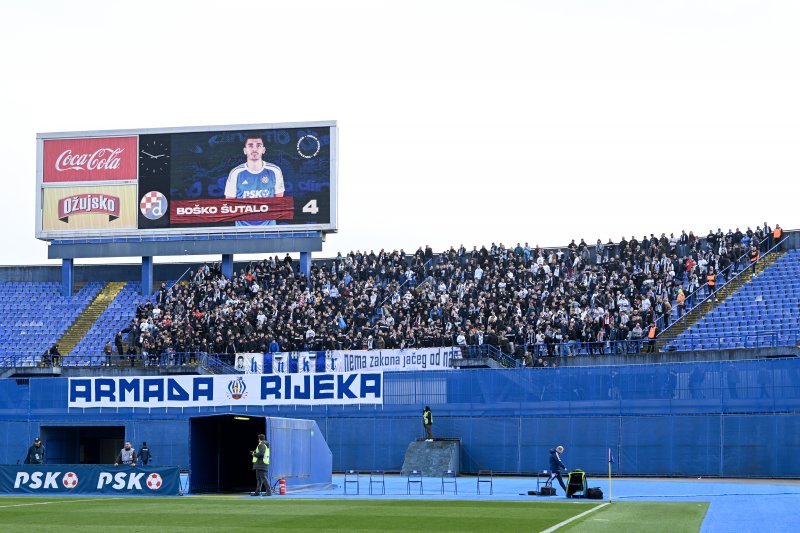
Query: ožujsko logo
88, 204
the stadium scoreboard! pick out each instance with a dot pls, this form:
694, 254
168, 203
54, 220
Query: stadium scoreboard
187, 181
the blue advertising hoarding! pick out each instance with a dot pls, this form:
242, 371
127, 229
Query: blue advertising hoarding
90, 479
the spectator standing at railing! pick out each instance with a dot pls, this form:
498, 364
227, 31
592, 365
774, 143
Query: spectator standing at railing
666, 310
601, 341
132, 354
461, 342
711, 281
118, 343
107, 351
766, 234
55, 355
652, 332
636, 337
753, 256
761, 239
711, 241
777, 235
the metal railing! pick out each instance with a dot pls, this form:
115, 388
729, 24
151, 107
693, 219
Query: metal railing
687, 342
707, 341
102, 360
221, 363
668, 333
571, 348
214, 364
490, 351
177, 280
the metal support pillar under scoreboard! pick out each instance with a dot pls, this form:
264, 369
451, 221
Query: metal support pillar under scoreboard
67, 276
305, 264
149, 247
227, 266
147, 275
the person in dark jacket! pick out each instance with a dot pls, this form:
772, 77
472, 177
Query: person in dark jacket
126, 456
118, 343
35, 453
556, 467
261, 466
54, 354
144, 454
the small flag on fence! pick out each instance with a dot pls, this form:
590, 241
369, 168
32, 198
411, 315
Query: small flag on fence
610, 456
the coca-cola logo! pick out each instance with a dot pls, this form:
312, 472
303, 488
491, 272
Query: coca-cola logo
100, 159
90, 159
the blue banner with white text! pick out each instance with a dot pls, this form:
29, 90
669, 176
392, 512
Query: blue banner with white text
90, 479
227, 390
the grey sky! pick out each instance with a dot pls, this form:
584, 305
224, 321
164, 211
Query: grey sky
462, 122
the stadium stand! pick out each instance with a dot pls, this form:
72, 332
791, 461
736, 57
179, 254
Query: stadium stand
524, 300
115, 317
764, 312
33, 316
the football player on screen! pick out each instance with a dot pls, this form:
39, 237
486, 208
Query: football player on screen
255, 178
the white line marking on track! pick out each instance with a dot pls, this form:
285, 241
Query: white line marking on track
60, 501
568, 520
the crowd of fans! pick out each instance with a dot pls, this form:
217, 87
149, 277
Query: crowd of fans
525, 300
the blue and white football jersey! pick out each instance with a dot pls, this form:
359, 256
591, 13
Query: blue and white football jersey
267, 183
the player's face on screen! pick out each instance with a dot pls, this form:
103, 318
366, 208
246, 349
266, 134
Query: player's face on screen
254, 149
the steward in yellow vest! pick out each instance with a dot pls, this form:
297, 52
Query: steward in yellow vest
261, 467
427, 421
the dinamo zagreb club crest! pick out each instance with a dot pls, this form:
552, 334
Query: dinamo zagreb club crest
153, 205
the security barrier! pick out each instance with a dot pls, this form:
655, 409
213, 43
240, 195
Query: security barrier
89, 479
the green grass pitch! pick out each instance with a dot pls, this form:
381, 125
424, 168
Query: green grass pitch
229, 513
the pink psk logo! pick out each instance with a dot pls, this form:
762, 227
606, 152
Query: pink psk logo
153, 205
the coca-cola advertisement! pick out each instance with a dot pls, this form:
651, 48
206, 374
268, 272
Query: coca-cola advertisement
90, 159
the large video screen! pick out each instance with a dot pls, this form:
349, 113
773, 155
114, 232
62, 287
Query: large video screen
187, 181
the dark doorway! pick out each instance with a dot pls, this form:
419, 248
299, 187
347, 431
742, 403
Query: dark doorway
220, 452
87, 445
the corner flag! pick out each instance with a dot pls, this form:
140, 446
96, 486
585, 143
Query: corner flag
610, 489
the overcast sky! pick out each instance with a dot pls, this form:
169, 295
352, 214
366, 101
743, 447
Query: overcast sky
463, 122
